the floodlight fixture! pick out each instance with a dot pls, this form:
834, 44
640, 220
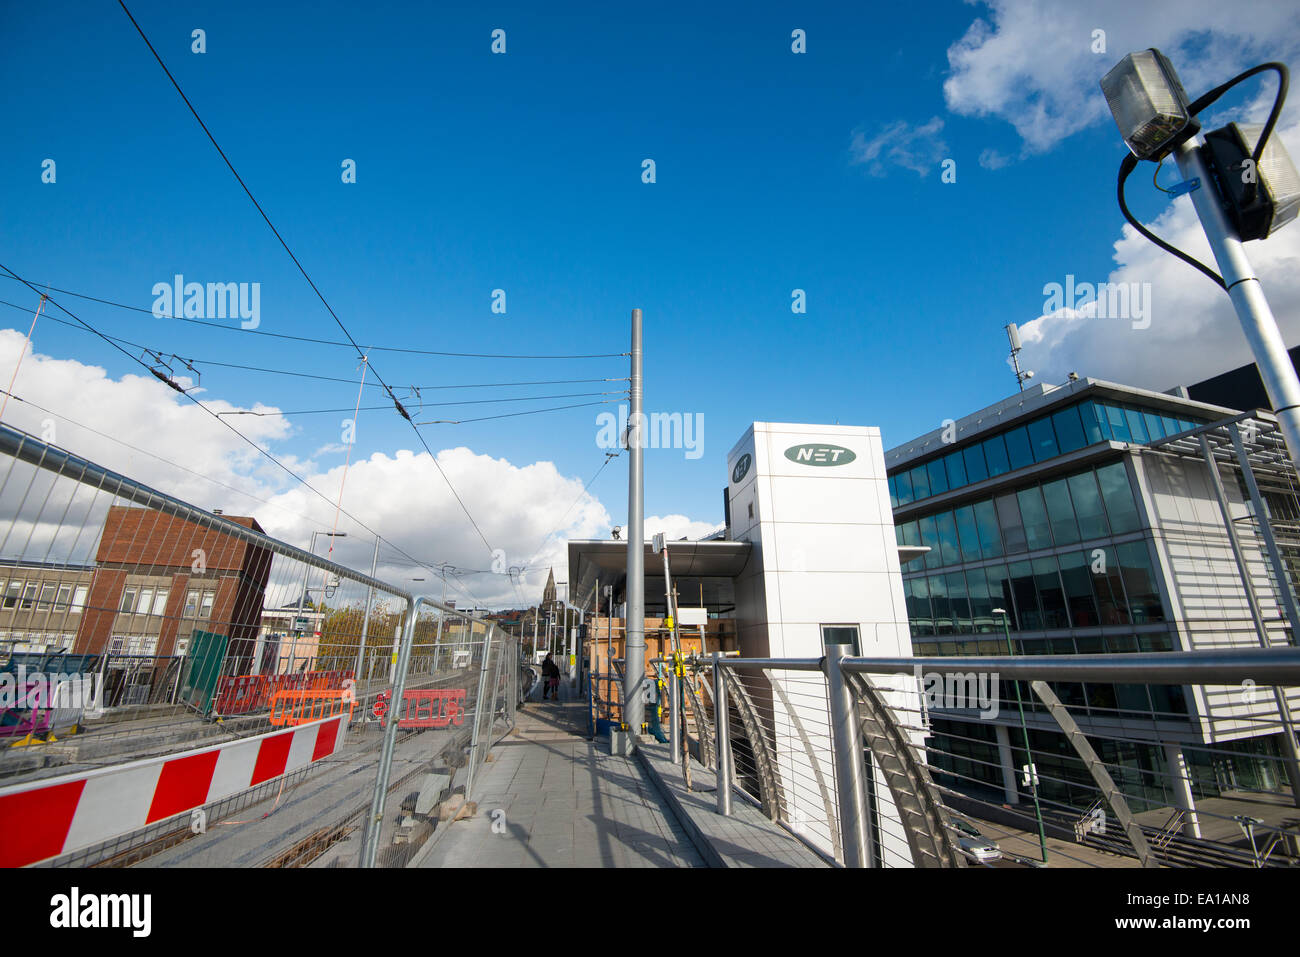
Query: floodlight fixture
1261, 197
1149, 104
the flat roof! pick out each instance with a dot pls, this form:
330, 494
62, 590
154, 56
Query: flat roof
1034, 401
606, 560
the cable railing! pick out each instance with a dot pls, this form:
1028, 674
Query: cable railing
924, 762
214, 696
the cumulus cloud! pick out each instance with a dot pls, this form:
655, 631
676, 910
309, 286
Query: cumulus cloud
1032, 63
1193, 331
918, 148
132, 424
992, 159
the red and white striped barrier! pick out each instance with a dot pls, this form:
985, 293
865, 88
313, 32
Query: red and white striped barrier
54, 816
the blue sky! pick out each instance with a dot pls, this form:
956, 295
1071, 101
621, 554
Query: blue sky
522, 172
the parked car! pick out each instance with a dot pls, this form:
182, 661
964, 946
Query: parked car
977, 848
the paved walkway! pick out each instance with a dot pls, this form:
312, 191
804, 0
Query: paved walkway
550, 797
745, 839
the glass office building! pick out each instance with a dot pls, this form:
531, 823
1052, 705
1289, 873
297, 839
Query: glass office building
1053, 507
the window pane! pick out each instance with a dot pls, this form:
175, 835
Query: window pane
903, 483
1060, 512
48, 591
973, 459
1118, 496
911, 534
128, 600
959, 602
1136, 425
968, 533
893, 492
1118, 424
987, 520
206, 608
1087, 505
981, 604
1139, 583
1171, 425
1094, 427
1019, 451
1038, 532
999, 584
1043, 439
1028, 616
64, 596
995, 453
1013, 533
942, 608
920, 483
1076, 577
79, 599
1069, 429
191, 604
1050, 594
12, 592
930, 538
1155, 425
949, 552
160, 602
918, 607
956, 467
938, 476
146, 599
1103, 565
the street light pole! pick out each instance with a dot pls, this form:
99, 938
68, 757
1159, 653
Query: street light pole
634, 627
1030, 770
293, 645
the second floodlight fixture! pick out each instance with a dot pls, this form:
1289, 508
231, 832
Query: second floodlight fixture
1149, 104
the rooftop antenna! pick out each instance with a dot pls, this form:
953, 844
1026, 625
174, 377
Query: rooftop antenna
1013, 336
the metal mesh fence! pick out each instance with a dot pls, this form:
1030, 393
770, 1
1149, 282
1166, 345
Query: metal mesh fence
200, 693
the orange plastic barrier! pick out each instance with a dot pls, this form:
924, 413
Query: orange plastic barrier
240, 694
302, 707
426, 708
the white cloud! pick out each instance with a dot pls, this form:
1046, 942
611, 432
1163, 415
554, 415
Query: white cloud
1193, 332
1031, 63
402, 495
677, 527
992, 159
918, 148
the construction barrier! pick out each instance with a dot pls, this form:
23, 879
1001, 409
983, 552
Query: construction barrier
44, 819
241, 694
426, 709
303, 707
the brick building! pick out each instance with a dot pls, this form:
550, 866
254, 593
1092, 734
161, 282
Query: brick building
159, 579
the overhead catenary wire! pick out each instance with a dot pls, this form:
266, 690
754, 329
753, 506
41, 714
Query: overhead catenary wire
338, 321
308, 375
328, 342
267, 454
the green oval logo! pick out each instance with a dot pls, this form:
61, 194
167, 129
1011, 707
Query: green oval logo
820, 455
742, 468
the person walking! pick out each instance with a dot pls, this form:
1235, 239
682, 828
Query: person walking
550, 678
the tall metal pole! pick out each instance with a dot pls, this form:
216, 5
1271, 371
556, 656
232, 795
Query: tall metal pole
1266, 344
634, 629
1030, 768
293, 645
365, 621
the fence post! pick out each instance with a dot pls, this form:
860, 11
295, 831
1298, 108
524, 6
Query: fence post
478, 711
846, 733
722, 733
371, 845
